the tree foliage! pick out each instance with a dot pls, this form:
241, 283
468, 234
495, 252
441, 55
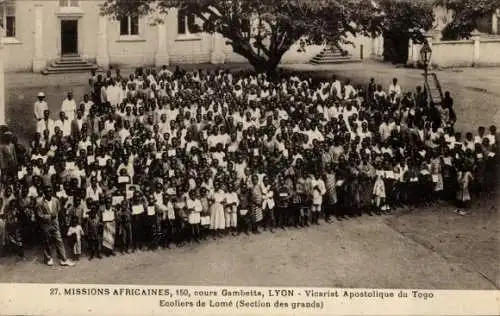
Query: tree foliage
404, 20
407, 19
466, 16
275, 25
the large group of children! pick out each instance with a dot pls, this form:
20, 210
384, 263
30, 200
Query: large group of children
160, 158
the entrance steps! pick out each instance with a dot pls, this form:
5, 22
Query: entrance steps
332, 55
433, 89
69, 64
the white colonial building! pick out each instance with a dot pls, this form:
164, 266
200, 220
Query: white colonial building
38, 32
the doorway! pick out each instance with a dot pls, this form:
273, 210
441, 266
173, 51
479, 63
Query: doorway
396, 49
69, 37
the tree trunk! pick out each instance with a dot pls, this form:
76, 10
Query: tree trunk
268, 66
261, 63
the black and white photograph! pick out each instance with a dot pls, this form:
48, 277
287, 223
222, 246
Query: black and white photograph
334, 144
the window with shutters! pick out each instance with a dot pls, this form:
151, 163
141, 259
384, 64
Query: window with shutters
69, 3
185, 23
129, 25
8, 19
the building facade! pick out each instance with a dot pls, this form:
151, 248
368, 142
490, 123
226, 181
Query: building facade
38, 32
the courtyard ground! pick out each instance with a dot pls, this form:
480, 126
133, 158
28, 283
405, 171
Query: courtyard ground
427, 248
430, 248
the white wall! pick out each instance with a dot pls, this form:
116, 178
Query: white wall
453, 53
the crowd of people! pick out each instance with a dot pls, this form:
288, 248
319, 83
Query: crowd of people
160, 158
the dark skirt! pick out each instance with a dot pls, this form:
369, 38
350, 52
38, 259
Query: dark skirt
366, 192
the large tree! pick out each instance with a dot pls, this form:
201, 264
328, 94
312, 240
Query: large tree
466, 16
263, 30
405, 20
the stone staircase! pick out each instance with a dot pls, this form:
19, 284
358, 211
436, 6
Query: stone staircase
332, 55
69, 64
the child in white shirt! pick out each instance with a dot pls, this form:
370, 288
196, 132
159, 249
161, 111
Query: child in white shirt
231, 209
194, 207
75, 232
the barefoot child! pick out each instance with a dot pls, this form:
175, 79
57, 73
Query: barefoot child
194, 207
463, 194
244, 209
231, 209
75, 233
205, 214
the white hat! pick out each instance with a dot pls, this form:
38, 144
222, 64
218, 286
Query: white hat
41, 94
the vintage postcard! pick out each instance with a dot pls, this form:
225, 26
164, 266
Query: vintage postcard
172, 157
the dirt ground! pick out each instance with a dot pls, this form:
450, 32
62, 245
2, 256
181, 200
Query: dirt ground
430, 248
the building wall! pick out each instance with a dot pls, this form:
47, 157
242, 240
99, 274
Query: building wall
477, 52
128, 50
489, 53
18, 52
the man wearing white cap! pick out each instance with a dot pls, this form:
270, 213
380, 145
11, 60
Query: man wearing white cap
40, 106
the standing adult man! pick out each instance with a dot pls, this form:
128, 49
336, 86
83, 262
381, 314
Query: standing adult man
336, 87
64, 124
394, 87
47, 212
46, 123
349, 92
69, 106
40, 106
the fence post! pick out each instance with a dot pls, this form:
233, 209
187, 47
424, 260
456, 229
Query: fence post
361, 51
477, 40
430, 39
494, 22
3, 98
